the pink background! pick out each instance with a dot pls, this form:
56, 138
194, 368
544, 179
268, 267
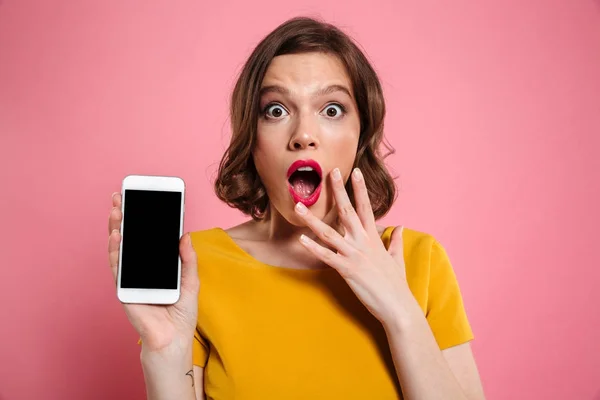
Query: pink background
494, 110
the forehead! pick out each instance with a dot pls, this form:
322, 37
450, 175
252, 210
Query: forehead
306, 69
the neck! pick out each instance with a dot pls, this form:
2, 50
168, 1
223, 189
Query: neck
276, 228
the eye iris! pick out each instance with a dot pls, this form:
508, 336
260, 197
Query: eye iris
331, 112
277, 112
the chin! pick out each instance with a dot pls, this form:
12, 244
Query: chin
320, 210
288, 212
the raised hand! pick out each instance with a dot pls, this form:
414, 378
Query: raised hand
375, 274
160, 326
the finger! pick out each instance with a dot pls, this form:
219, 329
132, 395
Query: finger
114, 218
345, 209
396, 247
114, 242
323, 231
364, 209
189, 264
116, 199
331, 258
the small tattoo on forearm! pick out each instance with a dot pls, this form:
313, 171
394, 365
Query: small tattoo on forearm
190, 373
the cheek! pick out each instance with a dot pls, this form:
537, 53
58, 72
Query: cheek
343, 135
343, 148
347, 147
263, 158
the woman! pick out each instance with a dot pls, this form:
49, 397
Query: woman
309, 298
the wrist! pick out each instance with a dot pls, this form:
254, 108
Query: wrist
168, 373
166, 342
404, 315
175, 352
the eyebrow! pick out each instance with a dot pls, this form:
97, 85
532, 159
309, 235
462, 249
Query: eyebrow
321, 92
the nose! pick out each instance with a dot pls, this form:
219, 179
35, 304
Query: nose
304, 136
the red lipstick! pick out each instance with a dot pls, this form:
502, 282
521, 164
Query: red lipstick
307, 166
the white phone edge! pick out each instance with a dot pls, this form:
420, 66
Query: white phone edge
150, 296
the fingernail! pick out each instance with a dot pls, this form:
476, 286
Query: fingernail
304, 239
114, 194
336, 175
357, 174
301, 208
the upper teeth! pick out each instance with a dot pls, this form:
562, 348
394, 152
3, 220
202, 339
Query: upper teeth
305, 169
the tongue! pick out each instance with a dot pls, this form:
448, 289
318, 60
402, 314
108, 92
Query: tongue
303, 186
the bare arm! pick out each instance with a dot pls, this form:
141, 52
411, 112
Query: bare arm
166, 331
169, 374
426, 372
199, 382
462, 364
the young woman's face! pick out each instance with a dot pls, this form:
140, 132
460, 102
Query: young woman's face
309, 125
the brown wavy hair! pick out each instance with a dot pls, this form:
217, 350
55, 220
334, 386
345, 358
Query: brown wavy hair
238, 183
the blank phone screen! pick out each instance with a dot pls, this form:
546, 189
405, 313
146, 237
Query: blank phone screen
151, 227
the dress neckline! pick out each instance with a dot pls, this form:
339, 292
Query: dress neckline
239, 250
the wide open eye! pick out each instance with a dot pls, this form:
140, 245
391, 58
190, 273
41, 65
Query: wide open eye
275, 111
334, 110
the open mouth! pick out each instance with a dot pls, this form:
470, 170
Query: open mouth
304, 181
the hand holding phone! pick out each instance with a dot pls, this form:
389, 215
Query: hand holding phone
157, 282
149, 264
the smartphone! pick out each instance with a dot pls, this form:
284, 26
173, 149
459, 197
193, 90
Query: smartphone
149, 269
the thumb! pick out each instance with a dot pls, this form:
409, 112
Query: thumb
396, 247
189, 264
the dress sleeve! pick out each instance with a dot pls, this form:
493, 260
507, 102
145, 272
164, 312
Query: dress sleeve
445, 312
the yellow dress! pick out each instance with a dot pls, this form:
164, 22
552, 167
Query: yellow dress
267, 332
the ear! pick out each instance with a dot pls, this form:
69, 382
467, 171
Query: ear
396, 247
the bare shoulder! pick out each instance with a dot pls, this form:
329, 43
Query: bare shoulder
245, 231
250, 237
